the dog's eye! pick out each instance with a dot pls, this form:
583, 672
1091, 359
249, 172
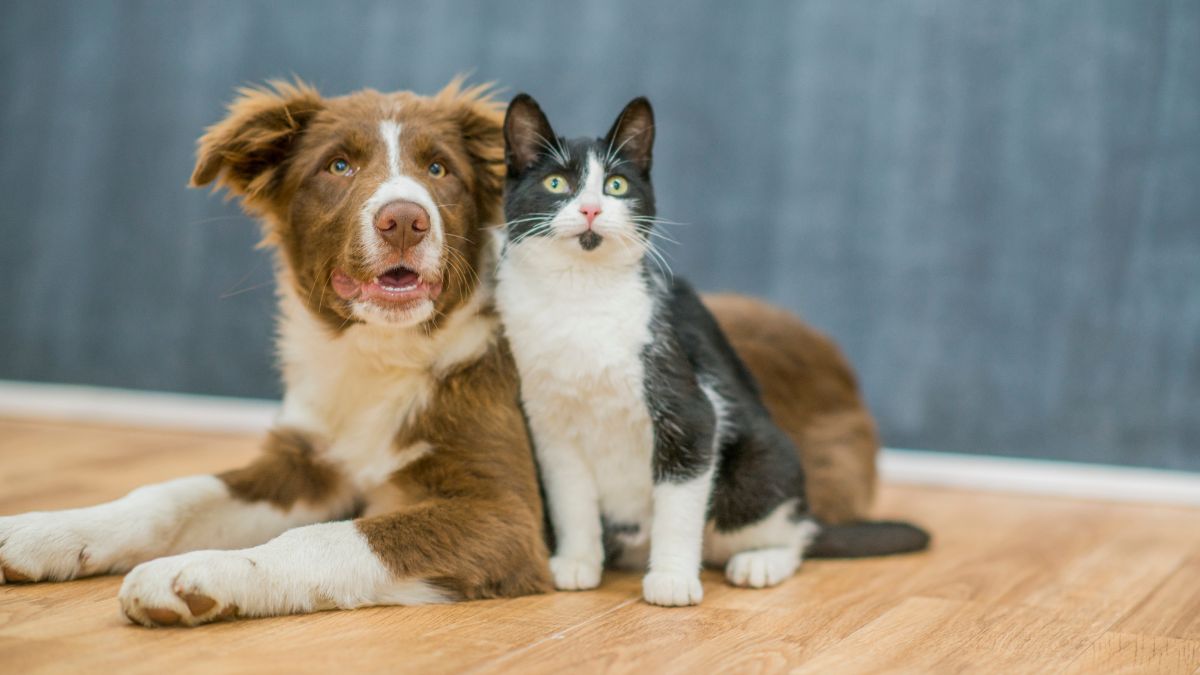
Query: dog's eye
616, 186
340, 167
437, 170
555, 183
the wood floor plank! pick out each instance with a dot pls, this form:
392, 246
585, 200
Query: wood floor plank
929, 635
1173, 609
1127, 654
1104, 585
56, 466
1012, 584
643, 638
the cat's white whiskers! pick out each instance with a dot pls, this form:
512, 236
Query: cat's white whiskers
512, 244
656, 220
556, 150
659, 235
660, 260
611, 154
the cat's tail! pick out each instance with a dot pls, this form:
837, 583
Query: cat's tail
867, 538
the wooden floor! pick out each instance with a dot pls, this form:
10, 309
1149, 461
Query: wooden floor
1014, 584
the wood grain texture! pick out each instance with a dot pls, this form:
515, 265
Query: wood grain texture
1014, 584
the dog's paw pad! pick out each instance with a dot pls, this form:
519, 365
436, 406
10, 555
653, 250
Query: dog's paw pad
230, 612
11, 576
198, 603
162, 617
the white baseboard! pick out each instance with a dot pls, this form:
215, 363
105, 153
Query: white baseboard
128, 407
1040, 477
978, 472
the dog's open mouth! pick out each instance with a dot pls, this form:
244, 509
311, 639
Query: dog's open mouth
398, 279
398, 284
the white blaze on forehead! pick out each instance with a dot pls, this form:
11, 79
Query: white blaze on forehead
593, 181
590, 192
399, 187
390, 130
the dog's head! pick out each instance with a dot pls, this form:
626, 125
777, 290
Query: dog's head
376, 201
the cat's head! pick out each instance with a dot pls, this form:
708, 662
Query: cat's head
587, 198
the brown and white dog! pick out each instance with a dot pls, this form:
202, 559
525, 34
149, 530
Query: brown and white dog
401, 405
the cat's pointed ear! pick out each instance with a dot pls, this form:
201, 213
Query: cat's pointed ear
632, 135
527, 134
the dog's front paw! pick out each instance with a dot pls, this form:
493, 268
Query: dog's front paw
188, 589
575, 574
672, 589
42, 547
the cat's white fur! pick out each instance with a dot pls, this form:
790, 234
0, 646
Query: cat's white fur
578, 323
577, 330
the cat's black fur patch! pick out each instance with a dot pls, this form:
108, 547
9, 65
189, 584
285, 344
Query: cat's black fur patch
757, 467
613, 533
589, 240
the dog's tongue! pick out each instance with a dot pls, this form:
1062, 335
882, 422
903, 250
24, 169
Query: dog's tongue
398, 277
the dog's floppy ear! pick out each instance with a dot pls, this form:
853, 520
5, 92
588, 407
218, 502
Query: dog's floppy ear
527, 133
245, 151
632, 134
480, 121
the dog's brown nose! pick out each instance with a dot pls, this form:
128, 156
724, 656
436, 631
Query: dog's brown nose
402, 223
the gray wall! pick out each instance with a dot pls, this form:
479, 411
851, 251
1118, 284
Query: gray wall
993, 206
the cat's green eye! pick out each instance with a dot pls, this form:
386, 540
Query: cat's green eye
555, 183
616, 185
340, 167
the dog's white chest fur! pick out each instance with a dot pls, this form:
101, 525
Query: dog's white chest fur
577, 338
359, 389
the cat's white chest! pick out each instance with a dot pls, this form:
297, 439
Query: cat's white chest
578, 341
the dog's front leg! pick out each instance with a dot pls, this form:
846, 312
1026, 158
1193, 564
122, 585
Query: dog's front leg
439, 551
285, 487
307, 569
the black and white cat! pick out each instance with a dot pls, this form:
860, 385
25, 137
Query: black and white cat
652, 441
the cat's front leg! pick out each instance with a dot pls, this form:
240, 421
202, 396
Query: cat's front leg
578, 560
677, 541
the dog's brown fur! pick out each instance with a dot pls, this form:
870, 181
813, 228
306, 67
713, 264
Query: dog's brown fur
471, 517
288, 470
481, 487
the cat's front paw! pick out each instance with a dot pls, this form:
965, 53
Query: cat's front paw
671, 589
574, 574
762, 567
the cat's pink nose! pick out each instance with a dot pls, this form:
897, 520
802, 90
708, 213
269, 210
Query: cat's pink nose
590, 211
